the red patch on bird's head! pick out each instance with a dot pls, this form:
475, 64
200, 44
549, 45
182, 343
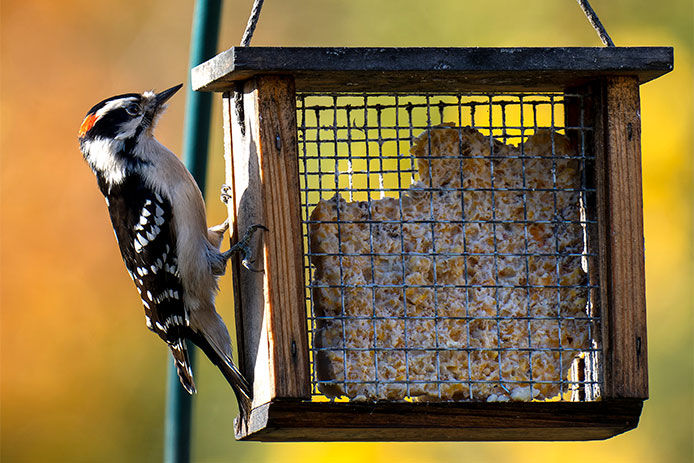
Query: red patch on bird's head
87, 124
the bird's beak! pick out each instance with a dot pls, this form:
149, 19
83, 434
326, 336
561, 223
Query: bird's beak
163, 97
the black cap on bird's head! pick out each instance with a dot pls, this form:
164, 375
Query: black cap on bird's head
124, 116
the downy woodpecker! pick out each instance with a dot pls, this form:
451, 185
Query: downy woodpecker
158, 215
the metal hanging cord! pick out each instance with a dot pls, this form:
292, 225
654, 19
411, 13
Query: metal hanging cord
595, 22
252, 22
585, 6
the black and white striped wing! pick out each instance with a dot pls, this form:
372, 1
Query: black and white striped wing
142, 222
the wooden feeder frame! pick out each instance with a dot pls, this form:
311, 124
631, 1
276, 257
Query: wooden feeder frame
259, 86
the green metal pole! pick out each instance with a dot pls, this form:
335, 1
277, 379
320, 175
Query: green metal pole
203, 45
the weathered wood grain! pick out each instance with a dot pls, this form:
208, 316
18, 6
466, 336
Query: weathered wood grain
620, 212
232, 213
432, 69
266, 183
472, 421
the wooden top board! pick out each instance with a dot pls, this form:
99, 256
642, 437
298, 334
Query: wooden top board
337, 69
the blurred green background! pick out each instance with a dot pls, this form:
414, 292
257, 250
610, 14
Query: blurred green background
83, 380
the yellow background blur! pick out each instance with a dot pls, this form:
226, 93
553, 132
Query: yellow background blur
83, 380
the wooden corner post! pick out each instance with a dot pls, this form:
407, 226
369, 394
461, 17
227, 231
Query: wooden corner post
620, 211
262, 172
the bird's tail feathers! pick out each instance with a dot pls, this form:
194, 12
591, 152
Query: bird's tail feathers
240, 386
231, 373
210, 335
185, 372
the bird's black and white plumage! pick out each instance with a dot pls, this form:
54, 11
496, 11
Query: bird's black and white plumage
158, 215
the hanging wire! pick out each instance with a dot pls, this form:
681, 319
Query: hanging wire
595, 22
252, 22
585, 6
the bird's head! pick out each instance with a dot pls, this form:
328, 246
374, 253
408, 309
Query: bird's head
124, 117
115, 132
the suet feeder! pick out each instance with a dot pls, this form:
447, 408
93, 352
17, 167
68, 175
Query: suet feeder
456, 239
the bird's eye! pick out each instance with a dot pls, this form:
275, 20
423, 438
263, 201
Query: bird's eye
133, 109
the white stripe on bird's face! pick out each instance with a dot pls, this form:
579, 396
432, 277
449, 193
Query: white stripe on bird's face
114, 104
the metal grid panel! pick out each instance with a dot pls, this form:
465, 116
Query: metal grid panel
477, 338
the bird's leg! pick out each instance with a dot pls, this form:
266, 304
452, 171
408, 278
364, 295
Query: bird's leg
243, 245
225, 193
215, 234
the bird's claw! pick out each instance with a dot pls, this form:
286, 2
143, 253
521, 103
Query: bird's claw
255, 227
243, 246
247, 264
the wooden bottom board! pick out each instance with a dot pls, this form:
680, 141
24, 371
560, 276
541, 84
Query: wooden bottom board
461, 421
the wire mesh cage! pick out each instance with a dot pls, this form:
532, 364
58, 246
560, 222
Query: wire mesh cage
446, 246
453, 250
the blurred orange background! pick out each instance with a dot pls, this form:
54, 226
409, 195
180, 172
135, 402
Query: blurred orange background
83, 380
